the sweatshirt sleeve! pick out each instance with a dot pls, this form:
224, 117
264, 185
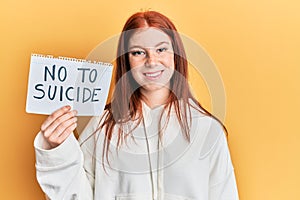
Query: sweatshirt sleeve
222, 179
66, 172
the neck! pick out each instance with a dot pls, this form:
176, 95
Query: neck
155, 98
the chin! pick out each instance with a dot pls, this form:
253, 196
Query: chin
154, 87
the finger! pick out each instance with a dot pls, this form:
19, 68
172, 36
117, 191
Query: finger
62, 119
67, 132
54, 142
62, 127
54, 116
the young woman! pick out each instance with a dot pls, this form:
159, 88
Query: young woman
154, 140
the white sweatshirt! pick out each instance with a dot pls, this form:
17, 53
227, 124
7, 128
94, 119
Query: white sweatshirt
142, 168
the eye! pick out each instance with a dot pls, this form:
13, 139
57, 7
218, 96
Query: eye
137, 53
163, 49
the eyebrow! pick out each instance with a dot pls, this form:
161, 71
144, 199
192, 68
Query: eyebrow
160, 43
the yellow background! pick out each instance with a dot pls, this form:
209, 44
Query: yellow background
255, 44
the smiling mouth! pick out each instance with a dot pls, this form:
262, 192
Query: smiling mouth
153, 74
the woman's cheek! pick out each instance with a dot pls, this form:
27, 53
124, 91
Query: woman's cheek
136, 75
168, 61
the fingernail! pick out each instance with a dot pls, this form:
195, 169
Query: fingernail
75, 112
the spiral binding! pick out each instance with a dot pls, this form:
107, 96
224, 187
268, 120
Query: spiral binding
71, 59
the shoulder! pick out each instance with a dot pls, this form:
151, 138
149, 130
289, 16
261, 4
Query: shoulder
214, 138
195, 110
209, 131
92, 126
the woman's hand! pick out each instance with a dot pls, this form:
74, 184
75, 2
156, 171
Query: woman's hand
59, 125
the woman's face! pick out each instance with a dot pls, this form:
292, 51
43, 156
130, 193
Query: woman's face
151, 58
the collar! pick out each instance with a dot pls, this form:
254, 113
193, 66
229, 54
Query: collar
151, 113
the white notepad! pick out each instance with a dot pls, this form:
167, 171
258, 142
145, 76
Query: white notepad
56, 82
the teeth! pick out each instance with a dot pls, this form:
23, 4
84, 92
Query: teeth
153, 74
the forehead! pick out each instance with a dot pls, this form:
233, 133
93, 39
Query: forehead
148, 37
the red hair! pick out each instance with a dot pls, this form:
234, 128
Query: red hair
126, 99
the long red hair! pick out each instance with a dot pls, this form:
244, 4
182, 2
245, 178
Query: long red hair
126, 105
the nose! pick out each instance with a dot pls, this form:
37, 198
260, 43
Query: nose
152, 59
